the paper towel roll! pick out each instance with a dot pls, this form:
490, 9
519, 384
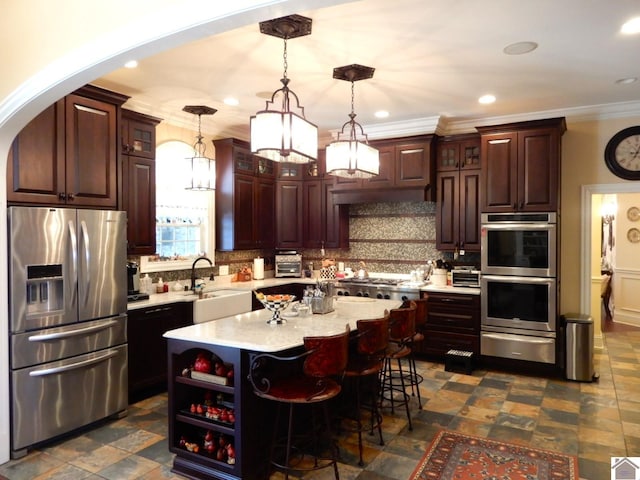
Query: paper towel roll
258, 268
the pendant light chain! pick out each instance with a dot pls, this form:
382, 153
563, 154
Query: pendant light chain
353, 135
200, 147
284, 59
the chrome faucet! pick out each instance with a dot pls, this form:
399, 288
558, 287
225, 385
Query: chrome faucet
193, 271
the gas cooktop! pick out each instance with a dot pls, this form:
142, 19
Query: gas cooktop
371, 281
389, 288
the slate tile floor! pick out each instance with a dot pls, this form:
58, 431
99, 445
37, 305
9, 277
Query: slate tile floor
592, 420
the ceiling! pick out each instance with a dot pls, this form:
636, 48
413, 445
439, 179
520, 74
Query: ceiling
433, 59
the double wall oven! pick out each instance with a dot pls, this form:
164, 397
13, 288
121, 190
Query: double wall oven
519, 287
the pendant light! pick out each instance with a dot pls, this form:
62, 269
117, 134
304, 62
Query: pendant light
203, 169
280, 134
351, 155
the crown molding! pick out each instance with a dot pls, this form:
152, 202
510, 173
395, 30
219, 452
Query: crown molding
438, 125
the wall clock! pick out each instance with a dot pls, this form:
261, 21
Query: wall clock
622, 153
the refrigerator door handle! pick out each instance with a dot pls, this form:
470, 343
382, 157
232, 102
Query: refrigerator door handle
73, 366
72, 333
86, 278
72, 285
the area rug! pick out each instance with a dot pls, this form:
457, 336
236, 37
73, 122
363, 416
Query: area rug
456, 456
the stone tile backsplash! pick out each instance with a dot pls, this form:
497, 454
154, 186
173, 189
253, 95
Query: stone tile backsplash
388, 237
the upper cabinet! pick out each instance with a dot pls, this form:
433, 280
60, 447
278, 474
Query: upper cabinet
138, 151
68, 154
306, 215
325, 224
458, 191
521, 166
407, 173
245, 198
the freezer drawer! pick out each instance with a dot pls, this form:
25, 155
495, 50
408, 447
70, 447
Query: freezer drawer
57, 397
33, 348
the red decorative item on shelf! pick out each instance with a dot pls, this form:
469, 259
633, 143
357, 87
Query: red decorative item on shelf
202, 363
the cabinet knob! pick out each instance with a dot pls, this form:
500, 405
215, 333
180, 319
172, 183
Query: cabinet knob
62, 196
70, 196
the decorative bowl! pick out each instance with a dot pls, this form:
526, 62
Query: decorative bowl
275, 303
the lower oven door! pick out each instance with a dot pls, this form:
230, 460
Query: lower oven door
57, 397
519, 302
520, 347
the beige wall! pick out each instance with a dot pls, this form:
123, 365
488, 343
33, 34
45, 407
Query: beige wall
582, 164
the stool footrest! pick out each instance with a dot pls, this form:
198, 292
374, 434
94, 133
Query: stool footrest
459, 361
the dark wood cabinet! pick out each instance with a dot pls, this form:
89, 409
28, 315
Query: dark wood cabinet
458, 194
187, 429
68, 154
453, 322
36, 163
138, 134
138, 150
325, 223
245, 198
307, 215
148, 348
521, 166
407, 173
289, 214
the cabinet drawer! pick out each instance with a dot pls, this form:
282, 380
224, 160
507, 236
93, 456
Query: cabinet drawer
449, 318
439, 343
457, 300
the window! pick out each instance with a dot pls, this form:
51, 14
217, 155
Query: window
184, 218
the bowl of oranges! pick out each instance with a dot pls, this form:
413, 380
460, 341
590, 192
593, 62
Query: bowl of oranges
275, 303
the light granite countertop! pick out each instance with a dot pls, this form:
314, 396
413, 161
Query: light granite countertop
250, 331
225, 283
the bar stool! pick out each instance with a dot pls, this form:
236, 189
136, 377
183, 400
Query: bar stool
364, 367
421, 319
280, 379
394, 380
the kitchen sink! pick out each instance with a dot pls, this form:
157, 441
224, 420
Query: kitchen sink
221, 303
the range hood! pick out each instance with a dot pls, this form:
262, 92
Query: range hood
382, 195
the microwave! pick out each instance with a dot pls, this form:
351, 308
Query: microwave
522, 244
288, 264
464, 277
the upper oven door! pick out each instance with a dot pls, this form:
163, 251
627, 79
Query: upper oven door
519, 249
524, 303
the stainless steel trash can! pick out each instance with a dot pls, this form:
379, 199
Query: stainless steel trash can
579, 347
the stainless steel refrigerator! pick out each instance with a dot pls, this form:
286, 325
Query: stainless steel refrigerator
68, 322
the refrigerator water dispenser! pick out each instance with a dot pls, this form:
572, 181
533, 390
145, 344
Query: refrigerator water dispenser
45, 289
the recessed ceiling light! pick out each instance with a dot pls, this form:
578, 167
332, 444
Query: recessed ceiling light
520, 48
632, 26
487, 99
381, 114
626, 81
131, 64
231, 101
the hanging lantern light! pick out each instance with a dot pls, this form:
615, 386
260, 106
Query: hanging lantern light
351, 155
203, 169
280, 134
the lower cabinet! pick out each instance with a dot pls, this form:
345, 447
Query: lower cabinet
148, 347
453, 322
218, 429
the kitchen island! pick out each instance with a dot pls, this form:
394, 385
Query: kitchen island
241, 435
